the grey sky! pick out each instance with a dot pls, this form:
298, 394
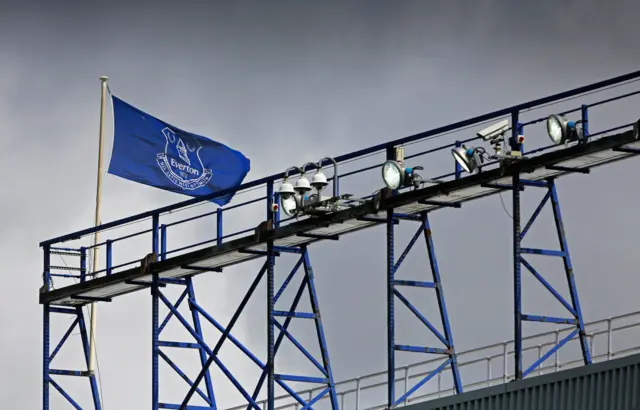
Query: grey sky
284, 84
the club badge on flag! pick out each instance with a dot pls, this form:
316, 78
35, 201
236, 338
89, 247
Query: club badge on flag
149, 151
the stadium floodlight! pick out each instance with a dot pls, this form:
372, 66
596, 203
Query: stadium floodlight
396, 175
302, 185
393, 174
286, 190
468, 158
561, 130
290, 196
320, 180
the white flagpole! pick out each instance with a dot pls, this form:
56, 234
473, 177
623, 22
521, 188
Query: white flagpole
96, 238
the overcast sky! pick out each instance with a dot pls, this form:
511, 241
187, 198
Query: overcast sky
285, 83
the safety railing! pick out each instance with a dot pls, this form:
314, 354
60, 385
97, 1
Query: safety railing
478, 366
131, 240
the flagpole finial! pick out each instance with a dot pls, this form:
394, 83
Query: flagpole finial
103, 78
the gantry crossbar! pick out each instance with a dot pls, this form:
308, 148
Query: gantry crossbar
549, 165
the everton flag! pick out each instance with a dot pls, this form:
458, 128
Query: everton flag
151, 152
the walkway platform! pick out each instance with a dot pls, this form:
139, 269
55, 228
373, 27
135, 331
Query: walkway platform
533, 170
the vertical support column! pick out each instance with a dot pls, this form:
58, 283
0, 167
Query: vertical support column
219, 230
163, 242
517, 285
391, 365
458, 168
584, 111
83, 264
154, 342
45, 330
270, 326
155, 318
271, 351
516, 128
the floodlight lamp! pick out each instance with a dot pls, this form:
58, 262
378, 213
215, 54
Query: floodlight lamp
561, 130
286, 190
319, 181
302, 185
466, 157
392, 174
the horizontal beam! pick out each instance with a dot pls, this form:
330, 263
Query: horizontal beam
350, 156
364, 211
423, 349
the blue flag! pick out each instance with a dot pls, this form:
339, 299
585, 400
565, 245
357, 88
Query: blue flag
151, 152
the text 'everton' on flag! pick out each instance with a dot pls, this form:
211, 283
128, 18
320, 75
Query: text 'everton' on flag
151, 152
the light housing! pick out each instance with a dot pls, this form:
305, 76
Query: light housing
286, 190
561, 130
466, 157
392, 174
302, 185
319, 181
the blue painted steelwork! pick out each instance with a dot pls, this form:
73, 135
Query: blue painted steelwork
194, 328
269, 198
520, 260
78, 322
323, 366
393, 292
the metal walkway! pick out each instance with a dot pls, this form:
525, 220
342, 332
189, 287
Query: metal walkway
575, 159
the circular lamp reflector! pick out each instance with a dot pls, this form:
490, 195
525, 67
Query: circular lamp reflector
557, 129
392, 174
289, 205
464, 157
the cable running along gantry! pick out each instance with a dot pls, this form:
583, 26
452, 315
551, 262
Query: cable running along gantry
299, 214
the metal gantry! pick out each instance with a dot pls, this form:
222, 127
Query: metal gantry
274, 238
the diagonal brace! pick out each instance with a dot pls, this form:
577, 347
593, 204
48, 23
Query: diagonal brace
225, 334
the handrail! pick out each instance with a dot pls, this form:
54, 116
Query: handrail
356, 154
355, 386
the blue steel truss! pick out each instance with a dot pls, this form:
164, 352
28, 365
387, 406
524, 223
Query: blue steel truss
208, 356
393, 292
273, 237
519, 253
78, 322
194, 328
